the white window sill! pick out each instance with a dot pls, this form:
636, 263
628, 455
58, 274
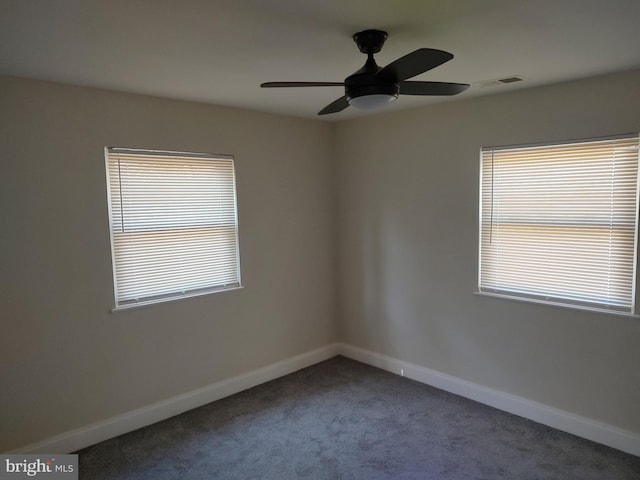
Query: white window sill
173, 298
557, 304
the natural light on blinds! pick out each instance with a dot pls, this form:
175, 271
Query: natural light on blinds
173, 224
558, 223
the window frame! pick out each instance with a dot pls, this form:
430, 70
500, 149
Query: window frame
558, 300
120, 305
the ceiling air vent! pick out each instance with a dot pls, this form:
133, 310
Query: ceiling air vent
510, 80
500, 81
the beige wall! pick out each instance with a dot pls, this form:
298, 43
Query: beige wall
408, 250
65, 361
391, 199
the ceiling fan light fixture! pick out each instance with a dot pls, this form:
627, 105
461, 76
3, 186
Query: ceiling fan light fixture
369, 97
372, 102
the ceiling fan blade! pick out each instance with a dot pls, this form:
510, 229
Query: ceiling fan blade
302, 84
414, 64
432, 88
334, 107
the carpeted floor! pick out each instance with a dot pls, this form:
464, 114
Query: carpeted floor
341, 419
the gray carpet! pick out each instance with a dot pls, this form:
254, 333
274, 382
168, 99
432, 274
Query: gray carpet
341, 419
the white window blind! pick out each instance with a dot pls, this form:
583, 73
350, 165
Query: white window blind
559, 223
173, 224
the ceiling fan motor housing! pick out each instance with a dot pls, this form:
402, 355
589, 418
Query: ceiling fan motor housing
365, 81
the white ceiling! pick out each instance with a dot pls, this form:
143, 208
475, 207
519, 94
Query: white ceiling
219, 51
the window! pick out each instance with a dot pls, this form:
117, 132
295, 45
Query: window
174, 230
559, 223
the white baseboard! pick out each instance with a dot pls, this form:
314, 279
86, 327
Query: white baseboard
97, 432
568, 422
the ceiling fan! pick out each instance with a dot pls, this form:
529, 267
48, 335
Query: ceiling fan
373, 86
